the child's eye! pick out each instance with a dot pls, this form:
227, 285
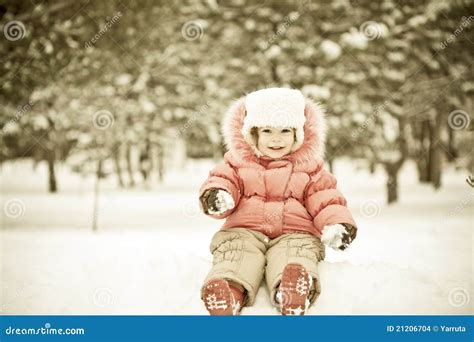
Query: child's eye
266, 130
286, 130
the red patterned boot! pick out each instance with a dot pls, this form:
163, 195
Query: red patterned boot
293, 292
222, 298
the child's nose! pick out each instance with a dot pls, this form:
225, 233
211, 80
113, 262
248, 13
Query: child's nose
276, 138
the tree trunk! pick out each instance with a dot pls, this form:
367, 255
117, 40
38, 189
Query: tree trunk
392, 168
435, 153
273, 63
452, 153
274, 72
145, 161
118, 169
95, 213
160, 164
331, 165
422, 161
216, 153
128, 157
372, 166
392, 182
51, 159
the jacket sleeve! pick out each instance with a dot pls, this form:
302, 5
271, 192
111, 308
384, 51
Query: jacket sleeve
224, 177
325, 203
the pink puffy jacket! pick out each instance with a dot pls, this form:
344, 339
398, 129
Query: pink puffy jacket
279, 196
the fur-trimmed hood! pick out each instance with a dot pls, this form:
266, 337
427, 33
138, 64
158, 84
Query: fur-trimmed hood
312, 149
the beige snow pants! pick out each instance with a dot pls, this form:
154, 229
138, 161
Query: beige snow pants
244, 256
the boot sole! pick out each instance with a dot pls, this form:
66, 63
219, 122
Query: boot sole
294, 290
218, 298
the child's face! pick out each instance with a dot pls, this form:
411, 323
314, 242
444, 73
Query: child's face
275, 142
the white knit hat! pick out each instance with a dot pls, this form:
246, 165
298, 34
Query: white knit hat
275, 107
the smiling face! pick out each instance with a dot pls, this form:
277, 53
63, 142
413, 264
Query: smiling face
275, 142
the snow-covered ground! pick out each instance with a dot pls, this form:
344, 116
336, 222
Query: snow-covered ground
150, 253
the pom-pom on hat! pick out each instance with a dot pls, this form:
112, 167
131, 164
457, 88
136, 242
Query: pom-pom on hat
277, 108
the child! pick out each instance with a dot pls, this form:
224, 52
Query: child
280, 205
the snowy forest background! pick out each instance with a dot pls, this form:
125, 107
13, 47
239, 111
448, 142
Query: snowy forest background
110, 117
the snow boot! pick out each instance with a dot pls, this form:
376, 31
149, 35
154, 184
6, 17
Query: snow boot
222, 298
294, 289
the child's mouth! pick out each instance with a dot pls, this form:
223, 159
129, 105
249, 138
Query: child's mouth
276, 148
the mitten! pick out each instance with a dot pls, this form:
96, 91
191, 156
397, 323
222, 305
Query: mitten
338, 236
217, 201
